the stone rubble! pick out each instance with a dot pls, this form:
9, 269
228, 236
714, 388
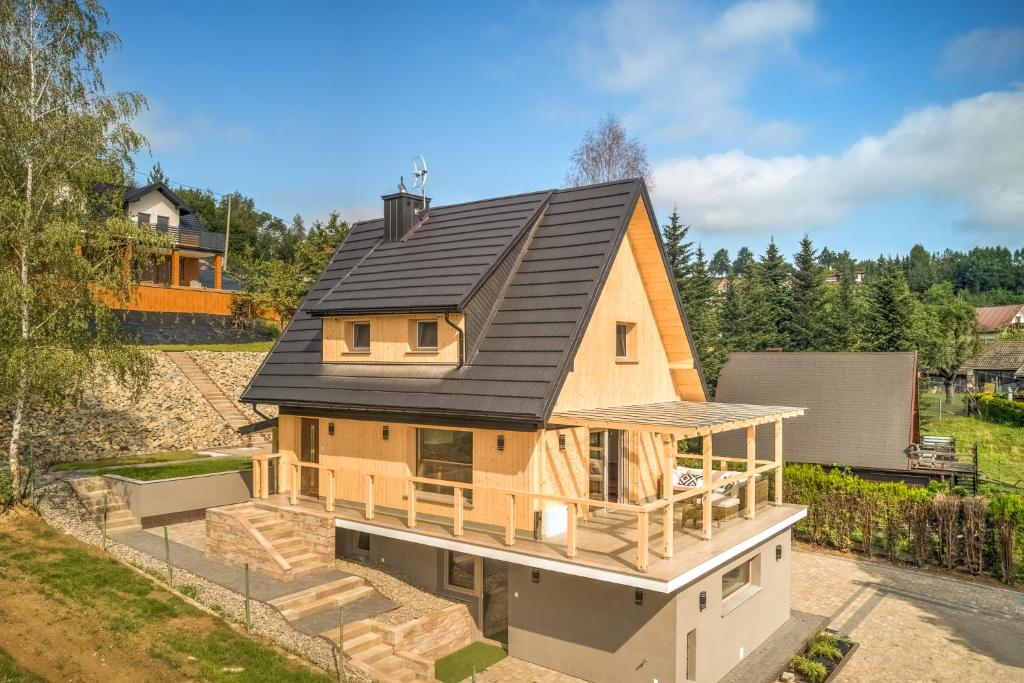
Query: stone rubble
232, 370
413, 602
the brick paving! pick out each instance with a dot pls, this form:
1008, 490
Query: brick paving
912, 625
512, 670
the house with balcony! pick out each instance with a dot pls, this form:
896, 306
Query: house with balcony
490, 398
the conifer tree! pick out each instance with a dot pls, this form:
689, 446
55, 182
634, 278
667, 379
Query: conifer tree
700, 302
720, 264
770, 278
744, 260
157, 175
677, 249
807, 310
892, 316
845, 309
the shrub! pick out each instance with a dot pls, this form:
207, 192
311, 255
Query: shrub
946, 508
813, 671
1006, 514
917, 510
825, 646
998, 409
974, 510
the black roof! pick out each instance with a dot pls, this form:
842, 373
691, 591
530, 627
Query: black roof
526, 271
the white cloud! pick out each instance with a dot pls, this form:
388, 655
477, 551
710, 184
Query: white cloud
171, 131
689, 68
970, 152
984, 49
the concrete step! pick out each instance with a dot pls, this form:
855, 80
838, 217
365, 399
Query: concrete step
389, 664
290, 545
357, 628
326, 602
372, 655
360, 643
317, 592
402, 675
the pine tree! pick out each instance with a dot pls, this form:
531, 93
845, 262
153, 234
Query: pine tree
807, 312
157, 175
720, 264
744, 261
892, 316
677, 249
701, 305
770, 278
844, 306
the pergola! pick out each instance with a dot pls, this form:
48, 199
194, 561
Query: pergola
688, 419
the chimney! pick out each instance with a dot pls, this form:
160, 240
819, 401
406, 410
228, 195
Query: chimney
402, 214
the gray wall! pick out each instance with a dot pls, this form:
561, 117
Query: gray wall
421, 563
170, 496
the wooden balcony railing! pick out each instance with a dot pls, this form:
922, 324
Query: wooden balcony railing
575, 507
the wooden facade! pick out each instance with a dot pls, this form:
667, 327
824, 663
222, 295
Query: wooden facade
392, 339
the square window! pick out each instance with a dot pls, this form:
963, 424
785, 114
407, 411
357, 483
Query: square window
162, 222
445, 454
736, 579
142, 218
426, 334
461, 571
360, 336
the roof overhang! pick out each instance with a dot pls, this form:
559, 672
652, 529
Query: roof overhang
684, 419
377, 310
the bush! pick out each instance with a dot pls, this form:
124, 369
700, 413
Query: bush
813, 671
1006, 514
997, 409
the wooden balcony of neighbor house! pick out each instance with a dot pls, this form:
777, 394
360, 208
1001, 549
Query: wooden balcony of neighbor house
660, 541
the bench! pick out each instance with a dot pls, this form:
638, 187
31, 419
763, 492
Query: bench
938, 444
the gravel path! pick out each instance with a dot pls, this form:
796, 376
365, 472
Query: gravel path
59, 506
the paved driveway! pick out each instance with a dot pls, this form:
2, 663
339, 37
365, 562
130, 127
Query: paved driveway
912, 625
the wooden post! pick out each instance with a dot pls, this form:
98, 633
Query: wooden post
570, 533
329, 501
218, 266
265, 478
410, 493
295, 484
257, 480
369, 497
778, 462
167, 553
459, 512
227, 236
751, 451
510, 523
248, 623
707, 453
175, 267
641, 541
667, 531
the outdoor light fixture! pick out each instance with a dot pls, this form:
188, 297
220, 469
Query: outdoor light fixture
384, 432
561, 442
778, 553
330, 429
501, 442
638, 597
703, 600
535, 575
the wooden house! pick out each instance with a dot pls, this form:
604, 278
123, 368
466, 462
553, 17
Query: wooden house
488, 397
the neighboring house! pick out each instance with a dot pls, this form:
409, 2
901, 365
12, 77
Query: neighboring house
835, 277
999, 364
488, 397
862, 410
992, 319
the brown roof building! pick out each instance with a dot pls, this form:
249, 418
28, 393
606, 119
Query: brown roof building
1000, 362
861, 407
991, 319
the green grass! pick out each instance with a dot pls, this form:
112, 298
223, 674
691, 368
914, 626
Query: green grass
246, 346
182, 469
1000, 447
12, 673
460, 665
97, 595
129, 460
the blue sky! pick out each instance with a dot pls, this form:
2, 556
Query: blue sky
870, 126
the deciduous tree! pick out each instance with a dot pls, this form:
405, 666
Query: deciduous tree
948, 334
607, 154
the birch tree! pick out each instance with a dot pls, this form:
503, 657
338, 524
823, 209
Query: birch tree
66, 249
608, 154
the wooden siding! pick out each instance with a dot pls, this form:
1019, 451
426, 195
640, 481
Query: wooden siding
392, 339
563, 472
358, 446
169, 299
598, 379
662, 302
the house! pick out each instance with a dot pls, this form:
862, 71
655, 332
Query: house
488, 398
862, 409
835, 277
993, 319
184, 296
999, 365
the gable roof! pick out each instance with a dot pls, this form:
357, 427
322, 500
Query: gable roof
1001, 354
861, 407
539, 262
995, 318
132, 194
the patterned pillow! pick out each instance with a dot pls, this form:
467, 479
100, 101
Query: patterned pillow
727, 489
689, 479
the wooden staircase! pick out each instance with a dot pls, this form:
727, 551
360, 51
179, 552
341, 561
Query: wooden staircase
292, 548
368, 652
211, 391
91, 491
323, 597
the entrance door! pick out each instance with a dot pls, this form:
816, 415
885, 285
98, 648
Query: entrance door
495, 600
309, 451
609, 465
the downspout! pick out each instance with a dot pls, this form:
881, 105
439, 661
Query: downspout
462, 339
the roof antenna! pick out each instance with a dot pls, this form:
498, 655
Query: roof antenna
419, 172
401, 184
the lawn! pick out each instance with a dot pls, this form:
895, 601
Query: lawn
181, 469
1000, 447
69, 612
129, 460
458, 666
246, 346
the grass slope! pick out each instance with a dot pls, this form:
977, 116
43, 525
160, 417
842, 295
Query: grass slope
69, 612
181, 469
130, 460
458, 666
10, 672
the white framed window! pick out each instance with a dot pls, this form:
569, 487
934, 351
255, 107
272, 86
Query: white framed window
360, 340
735, 580
741, 583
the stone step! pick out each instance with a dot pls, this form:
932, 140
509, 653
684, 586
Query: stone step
356, 644
356, 628
327, 602
290, 545
275, 532
374, 654
391, 663
317, 592
402, 675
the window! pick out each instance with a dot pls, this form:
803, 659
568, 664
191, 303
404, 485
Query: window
426, 334
625, 341
162, 222
735, 579
360, 336
461, 571
444, 454
142, 218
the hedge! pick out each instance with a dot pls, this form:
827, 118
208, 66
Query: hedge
905, 524
997, 409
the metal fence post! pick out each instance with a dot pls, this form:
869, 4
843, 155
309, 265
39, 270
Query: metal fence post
105, 522
248, 623
341, 644
167, 553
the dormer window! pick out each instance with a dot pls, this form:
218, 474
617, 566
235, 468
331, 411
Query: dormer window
361, 337
142, 218
625, 342
426, 335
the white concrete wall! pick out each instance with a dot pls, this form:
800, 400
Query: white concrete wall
155, 204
